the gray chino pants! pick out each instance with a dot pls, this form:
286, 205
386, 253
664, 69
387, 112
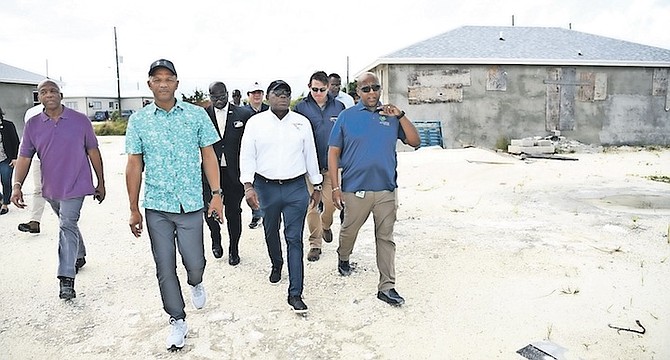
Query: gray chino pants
169, 232
70, 241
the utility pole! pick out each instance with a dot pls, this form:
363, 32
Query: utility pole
346, 87
118, 79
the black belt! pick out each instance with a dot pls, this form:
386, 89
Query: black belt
280, 182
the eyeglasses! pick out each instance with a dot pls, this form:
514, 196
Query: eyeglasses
217, 97
315, 89
282, 91
368, 88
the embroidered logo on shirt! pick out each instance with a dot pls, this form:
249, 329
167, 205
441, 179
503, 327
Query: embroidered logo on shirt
383, 121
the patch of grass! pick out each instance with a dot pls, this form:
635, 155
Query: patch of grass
117, 127
659, 178
502, 143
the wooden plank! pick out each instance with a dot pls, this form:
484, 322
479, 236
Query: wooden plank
659, 84
428, 94
437, 78
567, 106
585, 92
553, 100
600, 87
496, 79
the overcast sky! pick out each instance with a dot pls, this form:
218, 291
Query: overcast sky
239, 42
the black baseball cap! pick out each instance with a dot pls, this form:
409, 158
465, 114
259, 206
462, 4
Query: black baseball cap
162, 63
278, 84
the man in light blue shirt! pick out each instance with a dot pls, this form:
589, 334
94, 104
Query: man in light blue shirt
166, 139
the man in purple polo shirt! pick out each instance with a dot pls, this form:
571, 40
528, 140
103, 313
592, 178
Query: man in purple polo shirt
67, 147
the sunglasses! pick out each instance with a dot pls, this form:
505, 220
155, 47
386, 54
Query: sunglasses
218, 97
367, 89
280, 92
316, 90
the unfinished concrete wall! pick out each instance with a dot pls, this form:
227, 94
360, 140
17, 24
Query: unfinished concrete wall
15, 99
482, 105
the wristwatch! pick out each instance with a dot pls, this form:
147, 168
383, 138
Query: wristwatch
318, 187
217, 192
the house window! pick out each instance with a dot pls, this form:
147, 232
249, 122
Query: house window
36, 99
72, 105
111, 105
97, 105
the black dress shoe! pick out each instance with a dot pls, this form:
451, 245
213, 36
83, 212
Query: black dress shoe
233, 259
66, 288
275, 275
32, 227
344, 268
79, 264
390, 297
217, 250
296, 303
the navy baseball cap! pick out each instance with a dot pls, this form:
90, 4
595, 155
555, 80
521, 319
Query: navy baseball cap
162, 63
278, 84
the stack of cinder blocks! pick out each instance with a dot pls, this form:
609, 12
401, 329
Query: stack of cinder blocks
531, 146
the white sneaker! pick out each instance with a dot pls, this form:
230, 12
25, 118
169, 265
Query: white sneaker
178, 330
198, 296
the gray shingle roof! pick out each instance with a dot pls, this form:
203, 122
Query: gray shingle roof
14, 75
527, 45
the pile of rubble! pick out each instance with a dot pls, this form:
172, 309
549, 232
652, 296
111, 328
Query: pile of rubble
552, 144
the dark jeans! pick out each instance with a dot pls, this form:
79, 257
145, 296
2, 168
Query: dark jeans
288, 201
6, 176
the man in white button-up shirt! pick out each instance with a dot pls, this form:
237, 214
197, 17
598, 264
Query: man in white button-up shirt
277, 153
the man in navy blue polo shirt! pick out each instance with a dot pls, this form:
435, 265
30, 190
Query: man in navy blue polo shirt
322, 110
363, 144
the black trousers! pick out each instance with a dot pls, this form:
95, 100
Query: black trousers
233, 193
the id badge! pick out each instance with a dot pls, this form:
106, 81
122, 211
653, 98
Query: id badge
360, 194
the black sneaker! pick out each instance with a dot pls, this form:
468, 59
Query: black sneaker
344, 268
297, 304
255, 223
79, 264
390, 297
67, 288
275, 275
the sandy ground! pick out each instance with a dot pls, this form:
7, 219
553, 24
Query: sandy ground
493, 253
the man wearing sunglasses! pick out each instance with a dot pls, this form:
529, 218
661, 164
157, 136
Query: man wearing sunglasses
229, 122
277, 153
363, 144
321, 108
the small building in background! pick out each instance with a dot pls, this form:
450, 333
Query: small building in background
484, 84
18, 93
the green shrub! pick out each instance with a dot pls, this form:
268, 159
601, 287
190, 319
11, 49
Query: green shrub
111, 128
503, 142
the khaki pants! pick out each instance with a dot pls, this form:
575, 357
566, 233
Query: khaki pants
382, 205
318, 222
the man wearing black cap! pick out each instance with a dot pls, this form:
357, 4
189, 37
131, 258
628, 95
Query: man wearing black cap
277, 153
166, 139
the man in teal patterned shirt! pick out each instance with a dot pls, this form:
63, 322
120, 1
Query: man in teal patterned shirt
166, 139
